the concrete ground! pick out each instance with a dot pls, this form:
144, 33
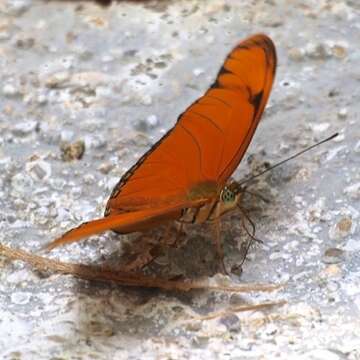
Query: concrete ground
85, 89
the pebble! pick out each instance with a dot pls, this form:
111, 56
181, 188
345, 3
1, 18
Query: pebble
106, 167
341, 229
89, 179
24, 43
41, 215
342, 113
91, 79
72, 151
339, 51
353, 191
146, 99
197, 72
333, 256
22, 184
10, 90
39, 169
94, 141
20, 298
41, 98
320, 127
66, 135
296, 54
24, 128
331, 271
232, 322
57, 80
317, 51
152, 121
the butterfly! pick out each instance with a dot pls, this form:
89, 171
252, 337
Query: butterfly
185, 176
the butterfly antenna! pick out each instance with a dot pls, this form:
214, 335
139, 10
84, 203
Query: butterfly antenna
290, 158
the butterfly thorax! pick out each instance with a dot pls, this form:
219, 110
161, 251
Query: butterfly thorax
223, 201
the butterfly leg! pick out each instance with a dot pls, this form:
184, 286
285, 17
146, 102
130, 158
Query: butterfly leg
148, 250
178, 240
218, 244
250, 234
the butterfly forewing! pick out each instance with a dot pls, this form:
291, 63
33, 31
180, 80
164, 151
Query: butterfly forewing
210, 137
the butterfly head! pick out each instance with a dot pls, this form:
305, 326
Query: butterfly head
229, 198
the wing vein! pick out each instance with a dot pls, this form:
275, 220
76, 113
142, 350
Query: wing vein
196, 143
209, 119
216, 98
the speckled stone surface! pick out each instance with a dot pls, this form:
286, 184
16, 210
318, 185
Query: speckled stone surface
86, 89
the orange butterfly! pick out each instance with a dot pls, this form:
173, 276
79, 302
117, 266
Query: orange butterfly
185, 175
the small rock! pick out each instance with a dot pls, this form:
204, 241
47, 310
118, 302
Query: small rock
24, 43
66, 135
92, 79
8, 110
317, 51
320, 127
353, 191
9, 90
152, 121
342, 113
42, 215
149, 123
197, 72
41, 98
25, 128
333, 285
72, 151
20, 298
200, 341
105, 168
57, 80
341, 10
271, 329
333, 256
296, 54
145, 99
39, 169
57, 183
231, 322
341, 229
95, 141
193, 326
339, 51
89, 179
107, 58
140, 139
22, 184
331, 271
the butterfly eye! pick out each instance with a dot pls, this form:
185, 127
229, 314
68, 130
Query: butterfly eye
227, 196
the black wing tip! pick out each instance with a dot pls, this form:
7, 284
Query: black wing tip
264, 41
